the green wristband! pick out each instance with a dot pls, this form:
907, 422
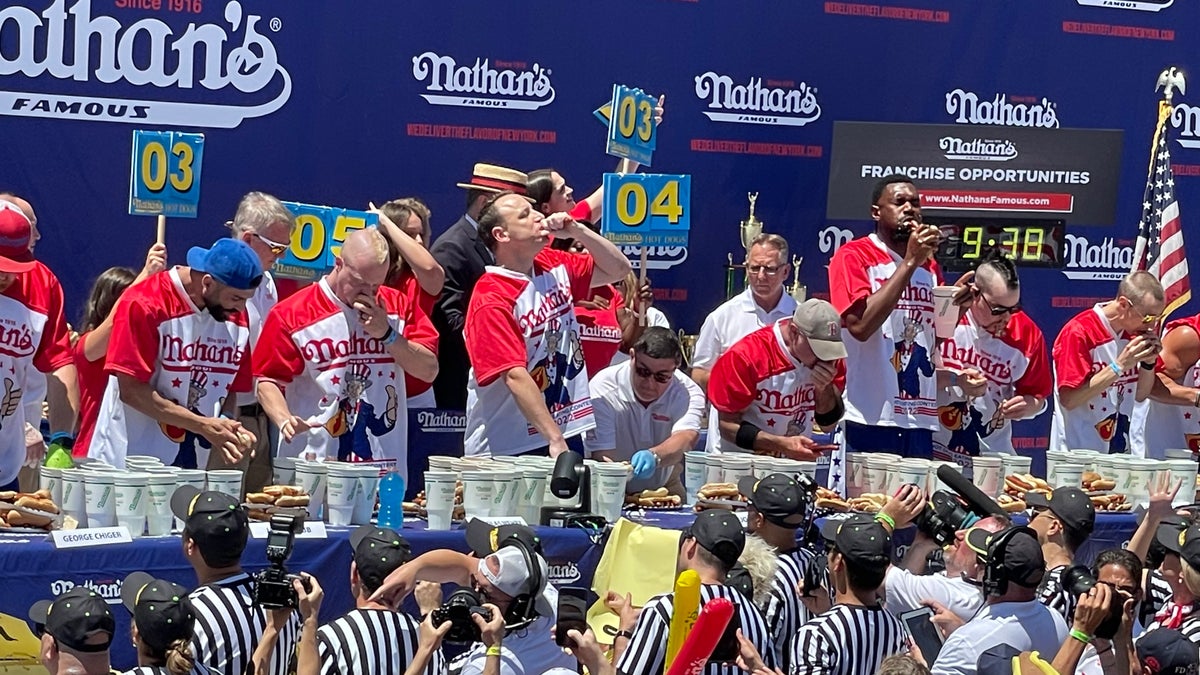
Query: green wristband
1081, 636
885, 518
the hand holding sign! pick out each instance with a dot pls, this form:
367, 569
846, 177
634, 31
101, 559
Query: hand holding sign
164, 175
633, 124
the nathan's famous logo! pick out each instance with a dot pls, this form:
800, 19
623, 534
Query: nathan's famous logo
563, 573
978, 149
1186, 118
784, 103
109, 590
970, 108
441, 421
1107, 261
481, 85
657, 257
148, 54
1141, 5
832, 238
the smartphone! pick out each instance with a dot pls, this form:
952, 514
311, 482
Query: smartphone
924, 633
572, 613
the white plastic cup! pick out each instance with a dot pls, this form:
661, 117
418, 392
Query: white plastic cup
50, 478
441, 463
129, 497
762, 466
1069, 475
986, 475
1084, 456
1015, 464
908, 471
695, 472
368, 493
197, 478
100, 503
945, 313
715, 471
608, 490
504, 494
933, 483
735, 467
531, 494
73, 502
439, 498
159, 488
856, 466
341, 492
479, 491
284, 470
228, 481
875, 473
312, 477
1053, 459
1185, 470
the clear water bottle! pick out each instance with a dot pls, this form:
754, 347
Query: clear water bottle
391, 501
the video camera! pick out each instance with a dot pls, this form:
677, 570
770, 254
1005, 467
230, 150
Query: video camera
948, 512
273, 586
1079, 580
458, 610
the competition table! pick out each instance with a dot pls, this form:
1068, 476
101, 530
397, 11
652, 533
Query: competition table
32, 569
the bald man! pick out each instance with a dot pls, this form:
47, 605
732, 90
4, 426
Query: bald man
340, 349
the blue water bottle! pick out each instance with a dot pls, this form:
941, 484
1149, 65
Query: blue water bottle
391, 501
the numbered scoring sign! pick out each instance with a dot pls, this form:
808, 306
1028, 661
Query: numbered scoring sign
165, 173
632, 131
317, 240
647, 209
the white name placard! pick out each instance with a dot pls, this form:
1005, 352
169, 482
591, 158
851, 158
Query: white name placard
98, 536
313, 530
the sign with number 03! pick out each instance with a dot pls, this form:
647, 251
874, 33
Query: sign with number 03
164, 175
632, 131
647, 209
317, 240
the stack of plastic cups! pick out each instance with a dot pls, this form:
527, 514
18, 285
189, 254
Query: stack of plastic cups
715, 471
736, 466
875, 474
856, 466
808, 469
1183, 467
368, 491
130, 497
284, 470
50, 479
507, 482
441, 463
1106, 465
531, 494
695, 473
312, 476
159, 489
228, 481
341, 492
932, 482
439, 498
141, 462
72, 503
1015, 464
608, 490
197, 478
1083, 456
909, 470
986, 475
1069, 475
98, 492
762, 466
1053, 459
479, 491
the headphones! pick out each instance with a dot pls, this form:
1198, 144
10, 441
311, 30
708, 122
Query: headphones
522, 611
995, 577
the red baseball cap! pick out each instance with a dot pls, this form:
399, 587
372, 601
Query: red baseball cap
15, 231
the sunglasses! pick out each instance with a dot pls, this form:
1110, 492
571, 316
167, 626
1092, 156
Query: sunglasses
661, 377
998, 310
276, 247
769, 270
1147, 319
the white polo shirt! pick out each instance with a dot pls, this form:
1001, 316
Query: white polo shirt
625, 425
1026, 626
905, 591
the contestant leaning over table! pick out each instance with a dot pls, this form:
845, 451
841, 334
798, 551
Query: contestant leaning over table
773, 385
179, 350
163, 625
414, 272
1102, 358
76, 631
995, 369
331, 361
1063, 522
266, 225
647, 413
1170, 418
526, 360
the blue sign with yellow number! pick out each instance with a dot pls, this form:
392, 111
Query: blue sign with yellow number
647, 209
632, 131
164, 176
317, 239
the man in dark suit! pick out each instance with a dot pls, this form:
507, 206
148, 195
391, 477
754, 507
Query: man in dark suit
463, 256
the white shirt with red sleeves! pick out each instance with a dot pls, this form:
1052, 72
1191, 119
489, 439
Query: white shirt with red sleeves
1086, 344
1015, 364
257, 307
759, 378
890, 379
161, 338
33, 341
518, 321
1156, 427
338, 377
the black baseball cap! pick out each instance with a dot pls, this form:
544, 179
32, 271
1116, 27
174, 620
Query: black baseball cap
778, 497
484, 539
1164, 651
217, 522
161, 610
75, 618
1022, 556
720, 533
861, 540
1070, 505
1182, 540
378, 551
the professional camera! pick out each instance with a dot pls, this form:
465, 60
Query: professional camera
458, 610
816, 574
944, 515
273, 586
1079, 580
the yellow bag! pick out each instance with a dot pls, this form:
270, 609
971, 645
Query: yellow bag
639, 560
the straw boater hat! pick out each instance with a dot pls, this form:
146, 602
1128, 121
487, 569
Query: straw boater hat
492, 178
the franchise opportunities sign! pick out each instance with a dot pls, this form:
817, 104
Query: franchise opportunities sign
980, 170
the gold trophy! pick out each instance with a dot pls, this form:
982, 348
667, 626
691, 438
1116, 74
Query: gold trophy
749, 230
688, 344
797, 290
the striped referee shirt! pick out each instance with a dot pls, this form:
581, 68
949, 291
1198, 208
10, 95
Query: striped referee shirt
782, 609
162, 670
1158, 595
847, 640
229, 626
647, 648
1053, 595
377, 641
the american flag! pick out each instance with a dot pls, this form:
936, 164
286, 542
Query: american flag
1159, 248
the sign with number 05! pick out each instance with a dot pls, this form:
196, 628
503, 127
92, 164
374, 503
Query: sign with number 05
647, 209
165, 173
632, 131
317, 240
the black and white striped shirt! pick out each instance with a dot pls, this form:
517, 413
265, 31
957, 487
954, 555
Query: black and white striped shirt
847, 640
377, 641
1053, 595
162, 670
229, 627
646, 650
1158, 595
782, 609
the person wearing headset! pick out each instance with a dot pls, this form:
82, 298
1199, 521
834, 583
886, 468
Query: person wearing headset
506, 568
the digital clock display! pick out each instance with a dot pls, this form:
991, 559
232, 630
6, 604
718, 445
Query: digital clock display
1028, 243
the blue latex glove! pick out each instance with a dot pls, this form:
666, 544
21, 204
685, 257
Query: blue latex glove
643, 462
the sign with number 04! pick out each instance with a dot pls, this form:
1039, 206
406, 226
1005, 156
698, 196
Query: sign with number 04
164, 176
632, 131
647, 209
320, 231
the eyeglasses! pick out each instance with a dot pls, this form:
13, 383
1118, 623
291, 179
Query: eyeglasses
769, 270
661, 377
1147, 319
998, 310
276, 247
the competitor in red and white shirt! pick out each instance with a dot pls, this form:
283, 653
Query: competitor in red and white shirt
882, 285
1103, 357
521, 333
179, 352
1171, 416
773, 384
34, 334
331, 361
995, 370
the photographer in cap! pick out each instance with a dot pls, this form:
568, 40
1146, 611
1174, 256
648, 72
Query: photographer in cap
228, 623
163, 620
522, 602
76, 629
1101, 641
1063, 522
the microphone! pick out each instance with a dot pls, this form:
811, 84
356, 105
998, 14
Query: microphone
980, 503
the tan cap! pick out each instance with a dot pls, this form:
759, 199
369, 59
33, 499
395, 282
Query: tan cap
492, 178
822, 325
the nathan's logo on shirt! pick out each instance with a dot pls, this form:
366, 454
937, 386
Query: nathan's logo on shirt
327, 349
779, 103
659, 417
564, 573
1107, 261
606, 333
978, 149
832, 238
970, 108
481, 85
175, 350
913, 293
146, 53
553, 303
18, 340
109, 590
441, 421
1140, 5
771, 401
995, 369
1186, 118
